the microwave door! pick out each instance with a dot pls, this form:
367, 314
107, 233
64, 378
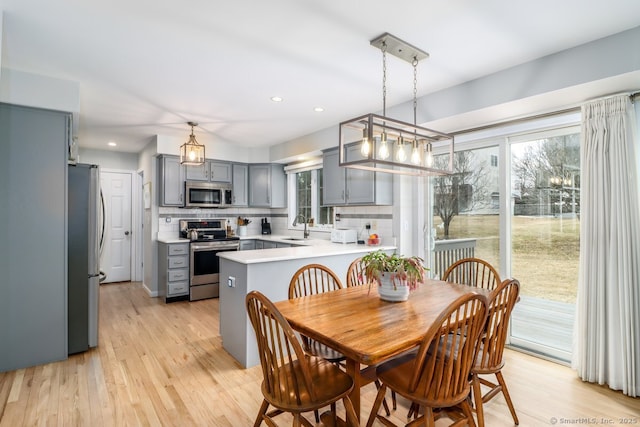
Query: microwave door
205, 197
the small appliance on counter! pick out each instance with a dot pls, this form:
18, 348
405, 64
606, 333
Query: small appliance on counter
344, 235
266, 226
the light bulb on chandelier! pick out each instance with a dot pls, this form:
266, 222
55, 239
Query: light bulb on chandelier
428, 161
383, 153
401, 155
415, 154
365, 148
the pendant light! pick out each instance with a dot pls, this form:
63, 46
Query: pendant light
192, 153
384, 141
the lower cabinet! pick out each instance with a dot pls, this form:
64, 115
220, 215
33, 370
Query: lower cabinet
247, 245
173, 271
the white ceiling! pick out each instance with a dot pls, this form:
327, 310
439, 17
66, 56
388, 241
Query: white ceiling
146, 67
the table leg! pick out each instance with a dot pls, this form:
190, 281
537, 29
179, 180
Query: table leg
353, 369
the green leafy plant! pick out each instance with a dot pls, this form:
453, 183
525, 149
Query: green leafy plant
404, 271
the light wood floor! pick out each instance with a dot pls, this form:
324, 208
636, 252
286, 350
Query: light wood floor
163, 364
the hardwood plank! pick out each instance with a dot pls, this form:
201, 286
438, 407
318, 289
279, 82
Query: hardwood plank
163, 364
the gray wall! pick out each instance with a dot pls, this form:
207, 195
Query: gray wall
33, 228
109, 159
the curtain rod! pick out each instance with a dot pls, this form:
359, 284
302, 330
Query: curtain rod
516, 121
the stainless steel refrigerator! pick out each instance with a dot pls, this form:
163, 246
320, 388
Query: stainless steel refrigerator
84, 234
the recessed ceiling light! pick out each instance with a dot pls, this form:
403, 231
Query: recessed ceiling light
276, 98
318, 109
111, 144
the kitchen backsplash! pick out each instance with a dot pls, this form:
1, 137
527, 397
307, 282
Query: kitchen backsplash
380, 218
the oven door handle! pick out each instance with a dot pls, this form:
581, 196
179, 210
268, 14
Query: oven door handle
200, 248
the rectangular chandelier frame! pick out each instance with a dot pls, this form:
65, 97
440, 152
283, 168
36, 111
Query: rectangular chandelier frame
371, 128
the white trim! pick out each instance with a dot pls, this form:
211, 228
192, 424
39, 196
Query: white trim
304, 166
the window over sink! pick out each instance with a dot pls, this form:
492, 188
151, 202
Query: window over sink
304, 183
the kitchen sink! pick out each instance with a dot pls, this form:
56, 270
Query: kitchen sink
293, 238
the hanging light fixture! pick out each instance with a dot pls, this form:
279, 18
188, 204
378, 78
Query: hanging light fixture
377, 135
192, 153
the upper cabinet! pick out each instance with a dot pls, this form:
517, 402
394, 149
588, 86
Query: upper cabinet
259, 185
346, 186
170, 181
211, 170
240, 181
267, 186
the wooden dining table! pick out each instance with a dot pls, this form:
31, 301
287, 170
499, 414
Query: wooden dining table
367, 330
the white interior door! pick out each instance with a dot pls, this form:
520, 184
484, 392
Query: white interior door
116, 255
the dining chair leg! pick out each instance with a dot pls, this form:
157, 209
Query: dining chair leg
414, 409
466, 409
507, 397
384, 401
350, 413
261, 412
477, 397
317, 415
376, 405
296, 420
334, 414
429, 419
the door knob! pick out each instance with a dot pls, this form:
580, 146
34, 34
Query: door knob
126, 233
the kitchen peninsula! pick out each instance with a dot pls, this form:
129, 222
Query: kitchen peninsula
269, 271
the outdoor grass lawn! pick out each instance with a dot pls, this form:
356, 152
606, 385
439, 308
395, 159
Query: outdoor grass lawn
545, 251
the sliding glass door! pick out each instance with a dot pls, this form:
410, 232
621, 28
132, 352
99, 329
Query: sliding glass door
545, 239
514, 200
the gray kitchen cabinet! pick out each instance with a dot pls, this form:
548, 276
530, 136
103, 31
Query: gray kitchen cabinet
240, 181
283, 245
173, 271
259, 244
267, 186
247, 245
333, 179
171, 177
269, 245
210, 170
347, 186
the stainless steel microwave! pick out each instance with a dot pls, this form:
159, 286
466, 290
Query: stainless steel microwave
199, 194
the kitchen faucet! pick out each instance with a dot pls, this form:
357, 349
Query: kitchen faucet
305, 220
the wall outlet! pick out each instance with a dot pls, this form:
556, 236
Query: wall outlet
374, 224
231, 282
367, 226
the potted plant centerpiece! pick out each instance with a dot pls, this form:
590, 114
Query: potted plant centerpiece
396, 275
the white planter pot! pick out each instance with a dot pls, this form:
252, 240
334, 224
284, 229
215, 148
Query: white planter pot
388, 292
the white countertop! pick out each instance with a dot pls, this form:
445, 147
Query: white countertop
165, 239
312, 248
302, 248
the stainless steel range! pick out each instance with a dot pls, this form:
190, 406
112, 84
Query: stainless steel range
204, 265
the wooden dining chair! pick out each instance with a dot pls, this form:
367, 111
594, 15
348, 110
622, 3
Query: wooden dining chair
313, 279
294, 381
437, 376
356, 275
489, 360
472, 272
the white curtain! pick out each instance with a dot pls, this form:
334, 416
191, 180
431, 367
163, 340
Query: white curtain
607, 328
